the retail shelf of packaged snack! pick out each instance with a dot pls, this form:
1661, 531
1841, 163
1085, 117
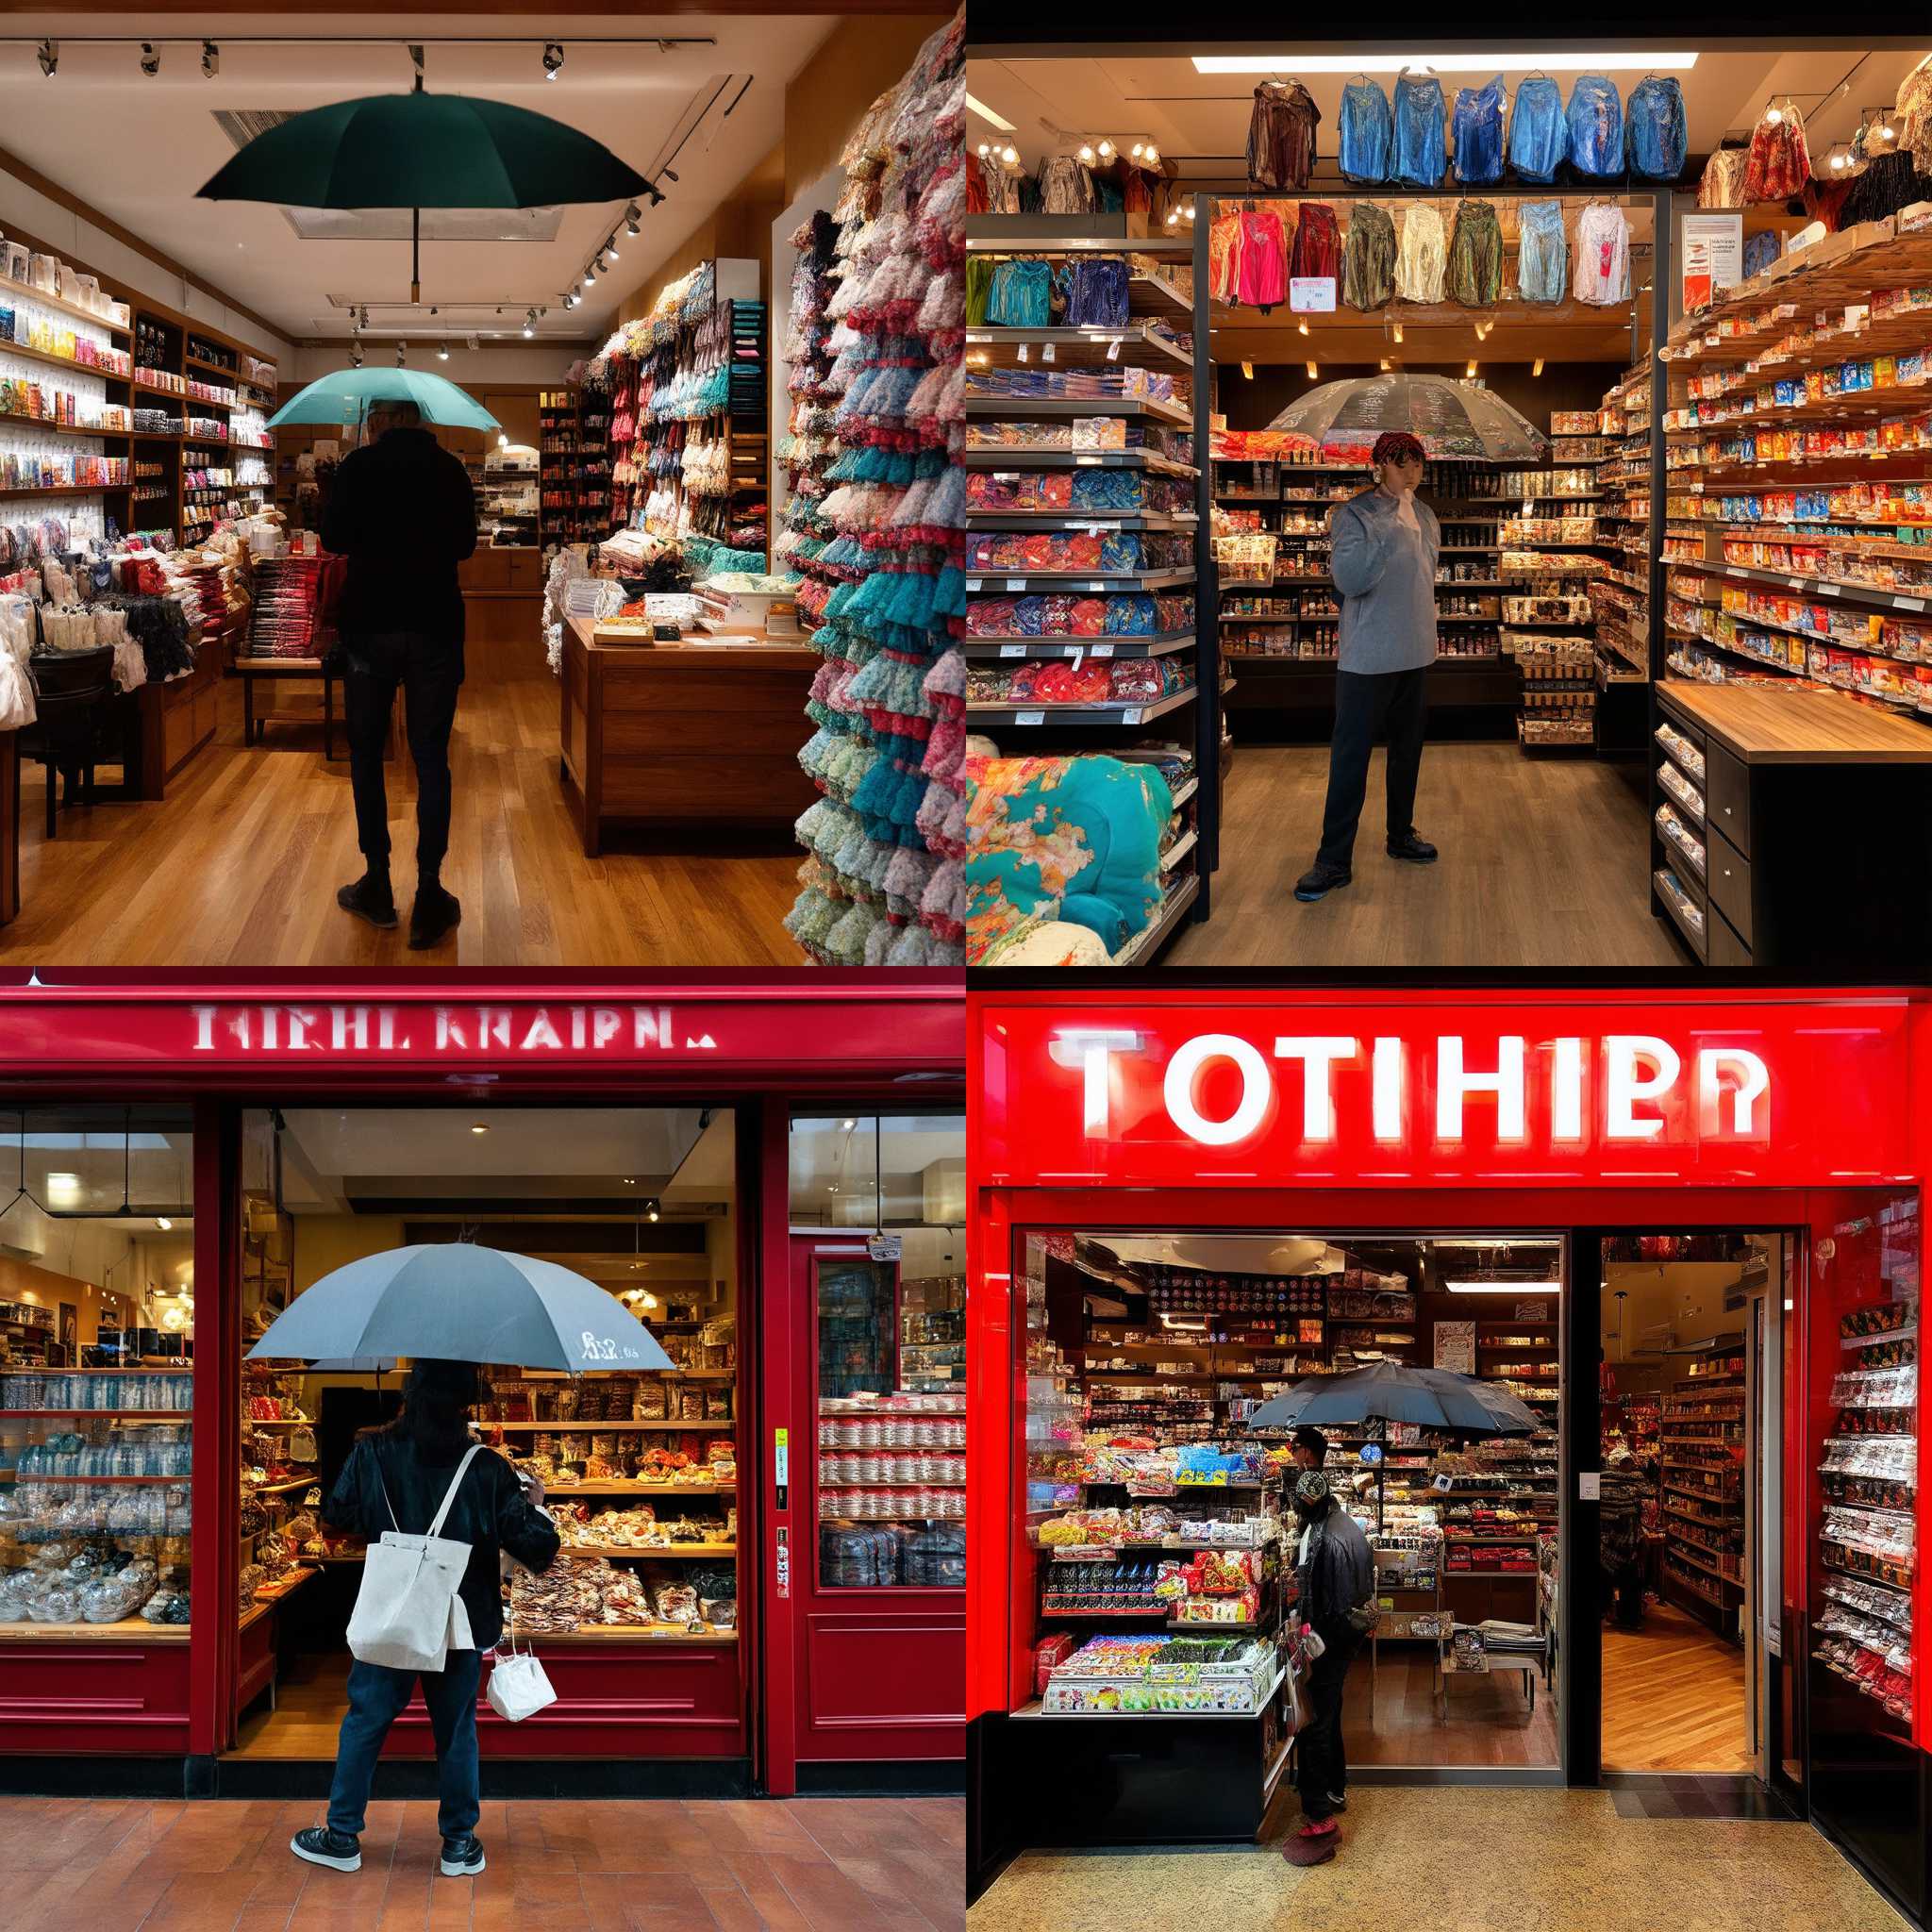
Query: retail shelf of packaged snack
607, 1426
67, 490
615, 1487
1149, 940
1911, 601
983, 406
1009, 458
142, 1415
45, 427
55, 361
13, 1474
128, 1631
1078, 647
655, 1551
1908, 1333
1082, 580
1682, 1552
623, 1633
1081, 348
1081, 714
1173, 856
1084, 520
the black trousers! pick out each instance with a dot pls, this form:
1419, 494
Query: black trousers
1394, 701
429, 672
1321, 1765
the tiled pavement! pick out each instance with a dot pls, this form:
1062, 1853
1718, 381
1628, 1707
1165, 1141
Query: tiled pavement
794, 1865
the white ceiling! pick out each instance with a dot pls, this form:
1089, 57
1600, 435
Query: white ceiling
1200, 120
137, 148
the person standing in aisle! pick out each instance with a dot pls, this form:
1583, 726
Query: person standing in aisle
395, 1478
1386, 545
403, 512
1336, 1577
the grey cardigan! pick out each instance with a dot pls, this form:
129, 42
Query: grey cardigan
1387, 577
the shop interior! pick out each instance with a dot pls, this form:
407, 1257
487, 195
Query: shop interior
1669, 645
655, 693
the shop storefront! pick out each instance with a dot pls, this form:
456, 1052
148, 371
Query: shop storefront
1683, 1230
770, 1177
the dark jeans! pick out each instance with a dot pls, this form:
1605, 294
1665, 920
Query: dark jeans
1364, 706
377, 1696
429, 672
1321, 1766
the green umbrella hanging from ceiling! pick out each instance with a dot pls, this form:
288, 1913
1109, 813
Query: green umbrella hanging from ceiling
421, 150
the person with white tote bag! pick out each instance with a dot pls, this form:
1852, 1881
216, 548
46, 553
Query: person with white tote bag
438, 1510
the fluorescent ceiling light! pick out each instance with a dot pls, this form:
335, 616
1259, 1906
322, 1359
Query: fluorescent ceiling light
1501, 1287
986, 113
1569, 59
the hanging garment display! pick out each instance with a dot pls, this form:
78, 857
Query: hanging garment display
884, 884
1317, 242
1914, 114
1281, 135
1891, 183
1421, 149
1476, 256
1722, 184
1595, 117
1603, 255
1367, 133
1542, 254
1224, 259
1477, 132
1022, 294
1263, 281
1538, 137
1097, 292
1368, 262
1066, 188
978, 288
1420, 262
1655, 134
1778, 164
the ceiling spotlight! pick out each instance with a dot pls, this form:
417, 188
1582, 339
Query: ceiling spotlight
210, 60
1774, 115
1173, 219
1139, 148
1398, 331
1470, 369
671, 175
1883, 132
150, 60
1385, 365
402, 349
1009, 153
656, 193
1311, 369
355, 355
1152, 157
610, 247
631, 218
603, 266
652, 1210
1536, 369
530, 323
470, 342
442, 352
1187, 211
1248, 370
162, 1223
1086, 153
1302, 326
1107, 150
590, 276
552, 58
50, 56
362, 315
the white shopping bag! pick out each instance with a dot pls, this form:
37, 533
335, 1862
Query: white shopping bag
407, 1613
519, 1686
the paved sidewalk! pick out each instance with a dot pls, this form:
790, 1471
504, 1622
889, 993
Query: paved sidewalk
796, 1865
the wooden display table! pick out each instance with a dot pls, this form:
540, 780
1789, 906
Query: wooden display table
698, 735
1815, 813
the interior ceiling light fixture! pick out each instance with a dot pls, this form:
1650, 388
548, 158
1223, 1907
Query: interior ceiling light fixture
530, 324
986, 113
210, 60
150, 60
610, 247
552, 58
1470, 371
1248, 370
652, 1209
1107, 150
49, 57
1086, 154
631, 219
1660, 60
1538, 368
402, 349
1311, 369
442, 352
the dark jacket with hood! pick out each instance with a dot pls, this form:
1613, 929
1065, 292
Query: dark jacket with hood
402, 511
1339, 1575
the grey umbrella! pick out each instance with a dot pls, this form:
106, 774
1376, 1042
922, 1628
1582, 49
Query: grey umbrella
466, 1304
1452, 418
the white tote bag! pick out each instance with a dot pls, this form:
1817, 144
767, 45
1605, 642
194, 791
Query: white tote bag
408, 1614
519, 1686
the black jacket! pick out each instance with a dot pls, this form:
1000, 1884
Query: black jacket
403, 512
489, 1513
1339, 1575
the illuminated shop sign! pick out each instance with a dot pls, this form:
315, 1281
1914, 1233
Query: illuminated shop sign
454, 1030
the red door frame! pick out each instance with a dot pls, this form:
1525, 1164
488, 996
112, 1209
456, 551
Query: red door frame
831, 1038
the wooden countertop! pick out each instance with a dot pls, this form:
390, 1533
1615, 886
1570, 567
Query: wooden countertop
746, 647
130, 1630
1798, 724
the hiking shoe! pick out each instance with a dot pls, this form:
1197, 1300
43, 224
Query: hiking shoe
462, 1858
1320, 880
434, 915
321, 1846
1416, 851
370, 898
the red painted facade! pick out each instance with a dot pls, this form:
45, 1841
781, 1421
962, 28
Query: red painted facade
889, 1043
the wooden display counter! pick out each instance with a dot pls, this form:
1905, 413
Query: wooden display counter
1814, 812
701, 734
503, 594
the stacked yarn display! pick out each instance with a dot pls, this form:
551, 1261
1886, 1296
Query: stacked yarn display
884, 885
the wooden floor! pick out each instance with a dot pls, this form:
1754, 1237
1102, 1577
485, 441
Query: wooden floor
224, 1865
238, 866
1544, 863
1388, 1715
310, 1698
1673, 1696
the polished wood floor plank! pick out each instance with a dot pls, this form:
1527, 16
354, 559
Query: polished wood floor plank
1673, 1696
1544, 863
239, 865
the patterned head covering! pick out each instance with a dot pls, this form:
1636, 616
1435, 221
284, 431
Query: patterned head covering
1398, 446
1311, 1493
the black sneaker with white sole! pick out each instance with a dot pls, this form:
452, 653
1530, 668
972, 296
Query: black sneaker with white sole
321, 1846
1320, 880
462, 1858
1412, 849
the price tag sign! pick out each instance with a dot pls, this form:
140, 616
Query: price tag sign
1796, 583
1113, 350
1016, 583
1909, 602
1098, 584
1029, 717
1087, 462
972, 583
1012, 650
1132, 717
1024, 352
1828, 590
1102, 651
1046, 352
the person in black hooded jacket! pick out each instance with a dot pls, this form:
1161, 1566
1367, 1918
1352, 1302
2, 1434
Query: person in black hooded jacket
403, 512
395, 1478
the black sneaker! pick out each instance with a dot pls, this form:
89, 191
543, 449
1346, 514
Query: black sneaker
370, 898
335, 1849
462, 1858
1320, 880
1335, 1804
434, 915
1416, 851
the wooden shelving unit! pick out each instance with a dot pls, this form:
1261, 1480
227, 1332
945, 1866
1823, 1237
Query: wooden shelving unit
1701, 1438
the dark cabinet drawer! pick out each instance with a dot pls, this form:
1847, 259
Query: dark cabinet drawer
1728, 876
1728, 797
1722, 947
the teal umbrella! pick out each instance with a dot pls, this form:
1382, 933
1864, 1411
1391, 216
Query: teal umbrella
421, 150
346, 395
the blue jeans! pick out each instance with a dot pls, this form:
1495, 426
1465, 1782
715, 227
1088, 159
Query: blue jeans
377, 1696
1421, 153
1538, 138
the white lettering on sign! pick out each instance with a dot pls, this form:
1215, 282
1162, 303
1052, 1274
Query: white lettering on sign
1627, 1076
481, 1030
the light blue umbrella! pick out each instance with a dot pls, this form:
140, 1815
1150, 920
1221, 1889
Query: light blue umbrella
466, 1304
346, 395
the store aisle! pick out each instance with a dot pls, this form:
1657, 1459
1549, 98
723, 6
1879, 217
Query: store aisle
804, 1863
238, 866
1544, 864
1391, 1715
1480, 1859
1673, 1696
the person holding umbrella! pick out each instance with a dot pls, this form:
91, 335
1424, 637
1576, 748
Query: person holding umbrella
395, 1478
1386, 546
403, 512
